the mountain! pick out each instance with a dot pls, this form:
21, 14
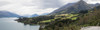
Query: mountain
73, 8
34, 15
26, 16
94, 5
7, 14
97, 4
45, 13
62, 8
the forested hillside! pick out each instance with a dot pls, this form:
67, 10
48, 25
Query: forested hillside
92, 18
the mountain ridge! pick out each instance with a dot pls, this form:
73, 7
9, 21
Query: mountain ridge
8, 14
74, 8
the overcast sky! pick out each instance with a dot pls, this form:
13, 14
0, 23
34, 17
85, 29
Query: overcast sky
29, 7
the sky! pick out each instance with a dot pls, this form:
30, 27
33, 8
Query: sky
30, 7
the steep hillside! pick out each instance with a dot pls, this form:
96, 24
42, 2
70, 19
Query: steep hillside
73, 8
92, 18
63, 7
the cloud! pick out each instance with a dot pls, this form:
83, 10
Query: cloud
2, 3
88, 1
23, 10
50, 3
29, 7
23, 7
48, 10
93, 1
68, 1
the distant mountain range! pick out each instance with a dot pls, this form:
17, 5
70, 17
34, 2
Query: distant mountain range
7, 14
34, 15
45, 14
74, 7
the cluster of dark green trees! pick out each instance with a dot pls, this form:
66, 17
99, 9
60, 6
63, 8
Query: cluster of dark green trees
35, 20
92, 18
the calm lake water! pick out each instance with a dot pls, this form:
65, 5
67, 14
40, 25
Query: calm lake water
10, 24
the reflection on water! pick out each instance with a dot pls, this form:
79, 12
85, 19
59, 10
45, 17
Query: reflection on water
10, 24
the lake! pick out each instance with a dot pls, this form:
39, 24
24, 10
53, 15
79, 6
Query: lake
11, 24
